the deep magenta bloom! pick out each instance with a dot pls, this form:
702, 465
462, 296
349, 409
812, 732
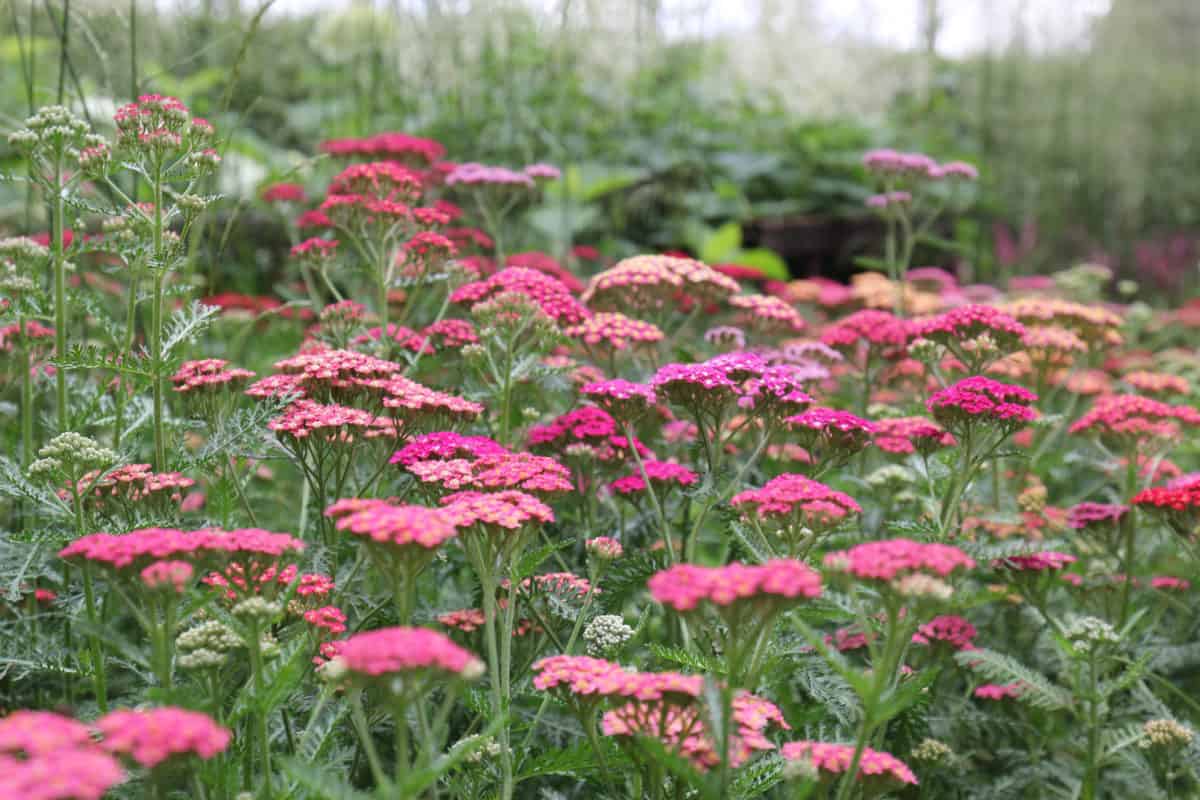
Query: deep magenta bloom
981, 399
953, 630
661, 474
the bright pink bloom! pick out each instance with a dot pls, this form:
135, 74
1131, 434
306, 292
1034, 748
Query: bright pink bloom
684, 586
953, 630
330, 619
993, 691
152, 736
446, 445
604, 548
835, 759
510, 510
796, 499
891, 558
393, 525
982, 399
389, 651
662, 474
174, 575
906, 435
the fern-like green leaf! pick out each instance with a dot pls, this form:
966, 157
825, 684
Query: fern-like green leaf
1036, 689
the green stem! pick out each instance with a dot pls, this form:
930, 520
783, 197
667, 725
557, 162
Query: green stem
261, 734
160, 446
60, 292
99, 677
25, 366
359, 718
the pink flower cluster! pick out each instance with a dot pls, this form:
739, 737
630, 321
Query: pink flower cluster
549, 294
778, 391
330, 423
473, 174
906, 435
968, 322
835, 759
892, 558
389, 651
1036, 562
207, 374
615, 331
649, 281
605, 548
46, 756
624, 400
868, 328
152, 736
916, 165
445, 446
396, 526
830, 433
586, 424
768, 314
1131, 416
1085, 515
683, 729
792, 498
982, 399
998, 691
140, 547
951, 629
510, 509
132, 483
661, 474
684, 586
395, 145
173, 575
330, 620
523, 471
584, 676
283, 193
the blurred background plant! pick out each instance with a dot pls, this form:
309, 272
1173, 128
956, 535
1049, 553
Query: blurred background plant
730, 129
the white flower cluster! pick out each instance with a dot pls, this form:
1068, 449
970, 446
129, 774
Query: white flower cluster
1088, 634
71, 448
206, 645
606, 633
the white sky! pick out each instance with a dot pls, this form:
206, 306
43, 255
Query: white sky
967, 25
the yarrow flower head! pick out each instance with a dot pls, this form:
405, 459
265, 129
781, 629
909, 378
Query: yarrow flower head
155, 735
794, 504
974, 334
977, 400
868, 335
209, 374
380, 656
604, 548
663, 475
1085, 516
684, 587
211, 547
605, 634
651, 281
171, 575
877, 769
1047, 560
526, 472
682, 728
623, 400
549, 294
830, 435
610, 330
767, 314
392, 526
777, 392
446, 445
495, 511
1178, 506
48, 756
911, 569
1128, 420
950, 629
400, 146
906, 435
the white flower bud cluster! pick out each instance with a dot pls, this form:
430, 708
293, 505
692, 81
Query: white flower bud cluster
489, 749
71, 448
1166, 734
931, 751
606, 633
891, 475
1089, 634
257, 608
206, 645
918, 584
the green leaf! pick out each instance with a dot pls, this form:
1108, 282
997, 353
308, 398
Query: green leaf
321, 783
722, 243
1036, 689
766, 261
683, 658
